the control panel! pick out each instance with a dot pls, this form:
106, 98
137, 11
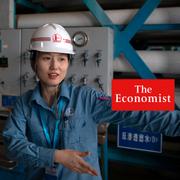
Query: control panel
10, 49
92, 65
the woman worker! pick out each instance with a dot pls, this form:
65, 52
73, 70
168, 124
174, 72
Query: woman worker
52, 129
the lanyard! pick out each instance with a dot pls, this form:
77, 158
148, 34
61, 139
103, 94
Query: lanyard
45, 128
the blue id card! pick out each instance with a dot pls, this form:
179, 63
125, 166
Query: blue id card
51, 174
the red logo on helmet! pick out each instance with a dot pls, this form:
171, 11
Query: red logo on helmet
56, 38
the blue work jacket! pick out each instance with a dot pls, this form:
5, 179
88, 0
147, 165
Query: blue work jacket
84, 109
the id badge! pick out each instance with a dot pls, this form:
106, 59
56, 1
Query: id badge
51, 174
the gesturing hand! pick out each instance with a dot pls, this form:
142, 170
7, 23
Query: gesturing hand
74, 161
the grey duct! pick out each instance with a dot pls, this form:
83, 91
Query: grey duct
85, 18
164, 62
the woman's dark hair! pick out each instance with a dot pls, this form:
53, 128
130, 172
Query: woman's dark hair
33, 55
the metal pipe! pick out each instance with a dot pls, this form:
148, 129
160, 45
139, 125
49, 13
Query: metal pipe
166, 62
85, 18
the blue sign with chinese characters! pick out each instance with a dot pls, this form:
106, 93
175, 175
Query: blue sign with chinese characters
138, 140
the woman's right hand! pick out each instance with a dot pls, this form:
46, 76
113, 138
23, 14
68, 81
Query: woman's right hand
74, 161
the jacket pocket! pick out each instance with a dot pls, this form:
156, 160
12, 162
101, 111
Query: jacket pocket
70, 130
80, 135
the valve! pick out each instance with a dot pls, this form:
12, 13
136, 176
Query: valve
85, 57
71, 59
25, 78
26, 56
85, 79
98, 57
72, 79
98, 80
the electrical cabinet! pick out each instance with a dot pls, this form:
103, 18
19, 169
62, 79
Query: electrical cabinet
10, 55
93, 62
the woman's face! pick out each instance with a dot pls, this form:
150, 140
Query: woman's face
51, 68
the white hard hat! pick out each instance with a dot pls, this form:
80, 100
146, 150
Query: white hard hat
51, 38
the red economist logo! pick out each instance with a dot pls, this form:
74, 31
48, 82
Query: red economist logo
140, 94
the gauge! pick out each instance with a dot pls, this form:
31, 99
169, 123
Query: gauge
80, 38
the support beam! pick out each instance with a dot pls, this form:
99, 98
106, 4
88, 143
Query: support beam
137, 63
122, 37
139, 19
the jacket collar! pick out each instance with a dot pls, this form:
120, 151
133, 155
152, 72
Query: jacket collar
64, 92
